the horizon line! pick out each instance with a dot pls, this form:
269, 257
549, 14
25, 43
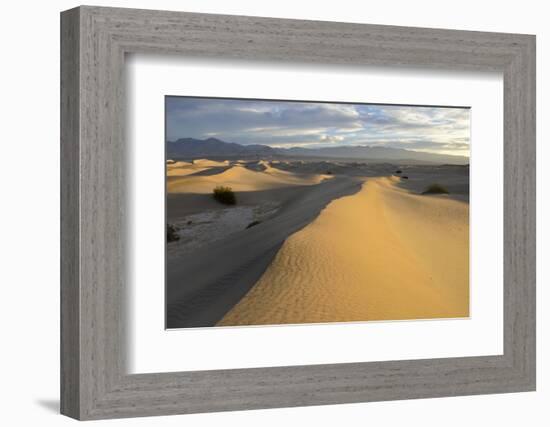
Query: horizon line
317, 148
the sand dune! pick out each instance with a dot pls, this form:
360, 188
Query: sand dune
382, 253
181, 168
240, 178
177, 163
202, 288
210, 163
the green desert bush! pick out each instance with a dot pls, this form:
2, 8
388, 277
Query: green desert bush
436, 189
224, 195
171, 233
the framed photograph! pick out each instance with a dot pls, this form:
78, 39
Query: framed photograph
302, 222
262, 213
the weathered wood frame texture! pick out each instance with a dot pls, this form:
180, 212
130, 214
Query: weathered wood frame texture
94, 41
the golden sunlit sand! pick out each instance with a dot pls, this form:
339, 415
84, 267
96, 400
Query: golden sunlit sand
210, 163
182, 168
383, 253
238, 177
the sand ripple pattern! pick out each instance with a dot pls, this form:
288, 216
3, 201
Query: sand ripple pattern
381, 254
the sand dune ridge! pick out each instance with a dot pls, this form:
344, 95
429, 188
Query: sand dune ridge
382, 253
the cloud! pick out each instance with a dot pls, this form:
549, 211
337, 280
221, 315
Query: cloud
287, 123
331, 138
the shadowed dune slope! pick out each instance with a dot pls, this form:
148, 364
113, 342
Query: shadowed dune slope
240, 178
202, 288
182, 169
380, 254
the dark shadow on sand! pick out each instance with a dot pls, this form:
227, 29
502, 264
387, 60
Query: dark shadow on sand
203, 286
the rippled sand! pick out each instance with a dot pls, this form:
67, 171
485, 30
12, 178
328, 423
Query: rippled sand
381, 254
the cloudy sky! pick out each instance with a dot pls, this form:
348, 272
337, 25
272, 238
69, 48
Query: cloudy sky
307, 124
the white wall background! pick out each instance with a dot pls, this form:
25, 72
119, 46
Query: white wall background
29, 225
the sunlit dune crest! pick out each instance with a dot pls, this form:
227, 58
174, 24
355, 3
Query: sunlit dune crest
239, 178
381, 254
181, 168
210, 163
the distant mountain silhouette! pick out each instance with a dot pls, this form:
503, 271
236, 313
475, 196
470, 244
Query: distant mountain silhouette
190, 148
212, 147
364, 152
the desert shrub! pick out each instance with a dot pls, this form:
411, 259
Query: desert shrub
252, 224
398, 171
436, 189
171, 233
224, 195
404, 177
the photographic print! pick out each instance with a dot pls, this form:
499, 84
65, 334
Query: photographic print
299, 212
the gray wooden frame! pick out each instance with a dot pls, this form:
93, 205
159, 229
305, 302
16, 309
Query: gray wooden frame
94, 41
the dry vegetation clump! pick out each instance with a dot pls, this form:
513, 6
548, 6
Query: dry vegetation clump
436, 189
224, 195
171, 233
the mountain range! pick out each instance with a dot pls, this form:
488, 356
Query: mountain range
190, 148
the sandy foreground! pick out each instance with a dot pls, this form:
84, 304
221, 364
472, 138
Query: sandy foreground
208, 279
383, 253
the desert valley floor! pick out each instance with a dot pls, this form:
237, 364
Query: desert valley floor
315, 241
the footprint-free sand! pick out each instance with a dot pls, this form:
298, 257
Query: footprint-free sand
238, 177
383, 253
